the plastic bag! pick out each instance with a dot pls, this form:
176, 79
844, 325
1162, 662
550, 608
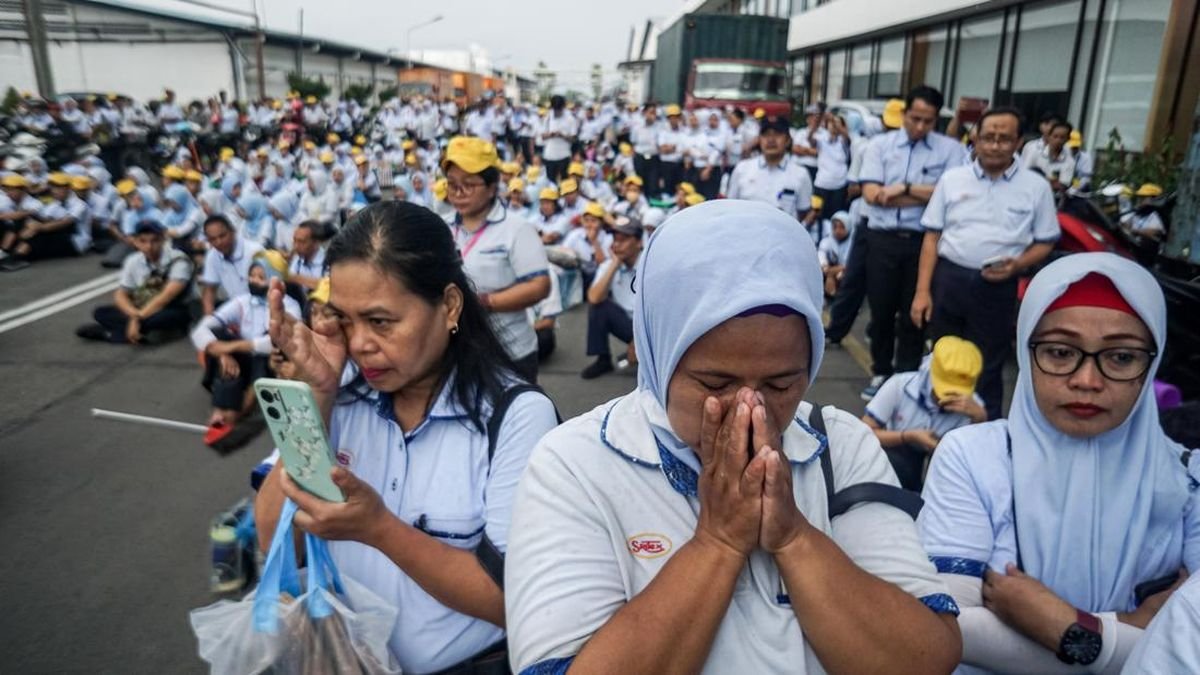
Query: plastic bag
314, 623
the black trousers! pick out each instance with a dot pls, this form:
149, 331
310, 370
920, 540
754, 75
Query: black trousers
170, 318
556, 169
228, 393
647, 170
604, 319
892, 260
852, 291
967, 305
546, 343
834, 200
527, 367
708, 188
909, 463
669, 175
56, 244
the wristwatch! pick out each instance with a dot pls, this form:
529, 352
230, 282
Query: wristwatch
1082, 642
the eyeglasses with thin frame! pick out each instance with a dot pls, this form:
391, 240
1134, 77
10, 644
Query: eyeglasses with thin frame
994, 139
465, 187
1119, 364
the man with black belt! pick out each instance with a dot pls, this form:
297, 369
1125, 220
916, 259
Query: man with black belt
986, 224
898, 175
644, 137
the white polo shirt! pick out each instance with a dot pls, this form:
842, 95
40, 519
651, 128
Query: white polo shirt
438, 479
230, 274
787, 186
308, 268
982, 218
245, 316
507, 251
833, 162
601, 509
621, 287
900, 405
676, 138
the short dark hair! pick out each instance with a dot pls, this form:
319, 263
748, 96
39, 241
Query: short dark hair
739, 113
317, 230
927, 94
490, 176
218, 218
1062, 123
1049, 116
1003, 110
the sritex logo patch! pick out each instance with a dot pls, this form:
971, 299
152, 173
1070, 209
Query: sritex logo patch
649, 545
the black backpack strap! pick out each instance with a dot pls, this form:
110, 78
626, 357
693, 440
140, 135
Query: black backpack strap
488, 555
841, 501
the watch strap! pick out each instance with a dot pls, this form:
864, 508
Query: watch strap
1087, 620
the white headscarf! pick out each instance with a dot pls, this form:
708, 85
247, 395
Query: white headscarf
1093, 515
710, 263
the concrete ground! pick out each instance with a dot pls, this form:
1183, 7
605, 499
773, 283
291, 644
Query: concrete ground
105, 525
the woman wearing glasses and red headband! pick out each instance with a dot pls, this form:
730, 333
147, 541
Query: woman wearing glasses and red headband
1064, 529
502, 253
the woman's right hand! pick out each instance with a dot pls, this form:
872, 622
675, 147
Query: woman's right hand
318, 357
731, 484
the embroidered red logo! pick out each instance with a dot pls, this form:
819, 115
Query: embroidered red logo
649, 545
344, 458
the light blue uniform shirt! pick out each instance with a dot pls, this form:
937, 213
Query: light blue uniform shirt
982, 218
900, 405
438, 479
1170, 643
892, 158
230, 274
621, 287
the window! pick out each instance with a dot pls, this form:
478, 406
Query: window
860, 72
890, 68
1087, 40
739, 82
836, 77
1045, 46
1131, 41
978, 50
816, 80
800, 80
929, 58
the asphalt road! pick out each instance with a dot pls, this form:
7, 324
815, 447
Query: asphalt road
104, 525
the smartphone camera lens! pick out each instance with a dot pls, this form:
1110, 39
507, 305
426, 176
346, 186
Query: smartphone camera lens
273, 412
267, 395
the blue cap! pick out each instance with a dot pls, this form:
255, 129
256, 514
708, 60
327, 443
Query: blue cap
149, 227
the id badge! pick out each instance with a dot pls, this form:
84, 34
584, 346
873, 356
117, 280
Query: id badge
786, 201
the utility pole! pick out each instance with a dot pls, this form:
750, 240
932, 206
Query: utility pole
300, 49
259, 40
35, 27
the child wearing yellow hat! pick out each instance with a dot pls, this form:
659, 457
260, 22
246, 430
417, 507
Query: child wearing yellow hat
1144, 221
912, 411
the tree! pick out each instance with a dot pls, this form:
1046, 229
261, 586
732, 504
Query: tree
307, 86
597, 81
11, 100
359, 92
389, 93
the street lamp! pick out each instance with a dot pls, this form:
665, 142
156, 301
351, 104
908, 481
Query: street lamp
408, 37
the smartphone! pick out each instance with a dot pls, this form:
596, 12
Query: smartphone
995, 260
295, 422
1148, 588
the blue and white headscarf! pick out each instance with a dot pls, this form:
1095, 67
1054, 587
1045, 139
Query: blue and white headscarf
1090, 512
708, 264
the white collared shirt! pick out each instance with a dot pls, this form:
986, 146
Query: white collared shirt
620, 289
601, 510
230, 274
787, 186
900, 405
982, 218
308, 268
245, 316
437, 478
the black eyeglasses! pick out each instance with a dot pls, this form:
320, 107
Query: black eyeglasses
1119, 364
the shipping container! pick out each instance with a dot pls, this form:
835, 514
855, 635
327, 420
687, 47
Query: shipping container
714, 38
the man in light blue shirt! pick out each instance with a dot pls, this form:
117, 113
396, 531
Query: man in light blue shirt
985, 225
898, 174
611, 296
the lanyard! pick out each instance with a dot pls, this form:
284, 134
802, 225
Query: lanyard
473, 240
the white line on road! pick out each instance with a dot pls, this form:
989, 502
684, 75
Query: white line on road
147, 420
59, 306
61, 295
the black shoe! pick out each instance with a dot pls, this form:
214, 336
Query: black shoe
12, 264
94, 331
602, 365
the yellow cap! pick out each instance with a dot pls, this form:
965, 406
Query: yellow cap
227, 154
326, 157
817, 202
594, 209
276, 105
126, 187
411, 159
893, 113
575, 169
516, 185
550, 193
360, 159
759, 113
14, 180
309, 144
533, 172
472, 155
542, 112
262, 152
81, 183
625, 149
955, 367
173, 171
1146, 190
693, 199
687, 188
408, 145
284, 144
1075, 140
321, 292
511, 168
440, 188
60, 179
310, 99
332, 138
360, 140
568, 185
194, 175
634, 180
274, 260
356, 151
673, 110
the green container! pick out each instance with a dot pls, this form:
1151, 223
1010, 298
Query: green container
712, 36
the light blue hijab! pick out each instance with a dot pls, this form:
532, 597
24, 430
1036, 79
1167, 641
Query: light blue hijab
179, 196
257, 220
1093, 514
710, 263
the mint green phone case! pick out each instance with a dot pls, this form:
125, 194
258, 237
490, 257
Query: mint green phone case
295, 422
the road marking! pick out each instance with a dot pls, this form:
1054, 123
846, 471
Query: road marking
61, 295
59, 306
857, 350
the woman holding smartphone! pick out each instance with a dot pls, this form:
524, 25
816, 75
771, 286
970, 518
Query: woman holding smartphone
426, 517
1060, 530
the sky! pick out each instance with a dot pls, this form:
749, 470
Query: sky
569, 36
